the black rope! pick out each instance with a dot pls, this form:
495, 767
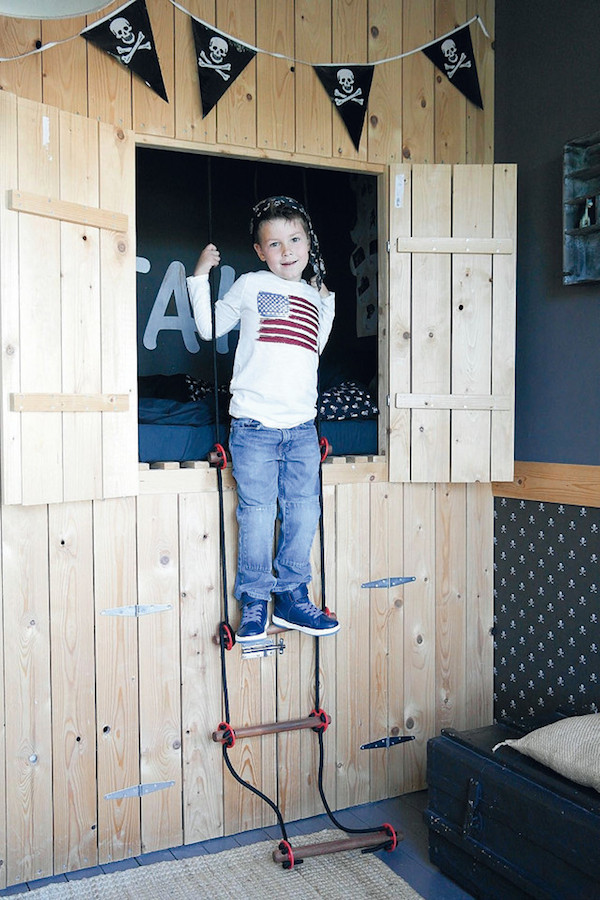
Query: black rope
226, 710
213, 294
326, 806
322, 552
256, 791
222, 545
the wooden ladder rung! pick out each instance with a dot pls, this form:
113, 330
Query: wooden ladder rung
271, 728
354, 842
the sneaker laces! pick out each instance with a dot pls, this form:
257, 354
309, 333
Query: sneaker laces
309, 608
252, 612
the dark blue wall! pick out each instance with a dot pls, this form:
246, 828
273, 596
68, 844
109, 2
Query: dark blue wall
547, 57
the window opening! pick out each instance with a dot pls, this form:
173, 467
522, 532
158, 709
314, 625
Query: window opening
175, 370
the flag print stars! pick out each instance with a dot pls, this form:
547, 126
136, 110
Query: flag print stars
547, 623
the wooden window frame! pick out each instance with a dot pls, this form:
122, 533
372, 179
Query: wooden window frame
174, 477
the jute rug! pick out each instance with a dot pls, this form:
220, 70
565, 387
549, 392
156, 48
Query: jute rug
247, 873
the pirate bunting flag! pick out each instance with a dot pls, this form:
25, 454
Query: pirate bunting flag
454, 57
348, 88
220, 60
126, 34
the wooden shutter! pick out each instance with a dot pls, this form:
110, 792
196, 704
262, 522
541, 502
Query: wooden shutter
452, 322
68, 317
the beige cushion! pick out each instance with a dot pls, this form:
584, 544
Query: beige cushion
571, 747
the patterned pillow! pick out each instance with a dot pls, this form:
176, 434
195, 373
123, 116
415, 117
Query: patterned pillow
571, 747
200, 389
346, 401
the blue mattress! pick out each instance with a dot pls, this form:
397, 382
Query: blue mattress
172, 431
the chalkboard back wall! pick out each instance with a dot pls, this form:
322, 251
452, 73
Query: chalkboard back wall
547, 609
173, 194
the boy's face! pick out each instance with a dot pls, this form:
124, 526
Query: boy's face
283, 244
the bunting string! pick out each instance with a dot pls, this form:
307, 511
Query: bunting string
126, 35
303, 62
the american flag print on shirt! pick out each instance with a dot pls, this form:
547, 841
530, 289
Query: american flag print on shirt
288, 320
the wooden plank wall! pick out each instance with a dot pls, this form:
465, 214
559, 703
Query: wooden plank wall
113, 712
274, 107
94, 702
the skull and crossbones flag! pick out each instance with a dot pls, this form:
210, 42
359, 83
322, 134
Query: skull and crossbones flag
126, 35
453, 55
348, 88
220, 60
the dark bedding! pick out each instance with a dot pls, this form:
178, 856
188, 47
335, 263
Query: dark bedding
175, 428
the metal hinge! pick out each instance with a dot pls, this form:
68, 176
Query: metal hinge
390, 741
389, 582
136, 610
139, 790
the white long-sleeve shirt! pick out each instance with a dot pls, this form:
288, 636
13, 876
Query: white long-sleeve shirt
284, 326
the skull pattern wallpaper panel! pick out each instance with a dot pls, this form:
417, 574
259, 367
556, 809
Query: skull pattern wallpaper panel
547, 615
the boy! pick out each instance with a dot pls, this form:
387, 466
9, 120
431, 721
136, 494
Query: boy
284, 326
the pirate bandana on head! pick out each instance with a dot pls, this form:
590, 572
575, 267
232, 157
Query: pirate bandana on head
274, 206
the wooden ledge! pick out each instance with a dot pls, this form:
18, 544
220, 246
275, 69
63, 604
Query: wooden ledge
189, 477
552, 483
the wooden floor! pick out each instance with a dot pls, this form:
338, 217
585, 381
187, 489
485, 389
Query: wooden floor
409, 860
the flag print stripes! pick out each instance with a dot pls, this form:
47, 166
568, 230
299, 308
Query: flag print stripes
288, 320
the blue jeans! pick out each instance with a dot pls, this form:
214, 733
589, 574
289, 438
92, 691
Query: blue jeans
277, 475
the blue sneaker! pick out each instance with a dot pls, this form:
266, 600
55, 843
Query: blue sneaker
293, 609
253, 626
